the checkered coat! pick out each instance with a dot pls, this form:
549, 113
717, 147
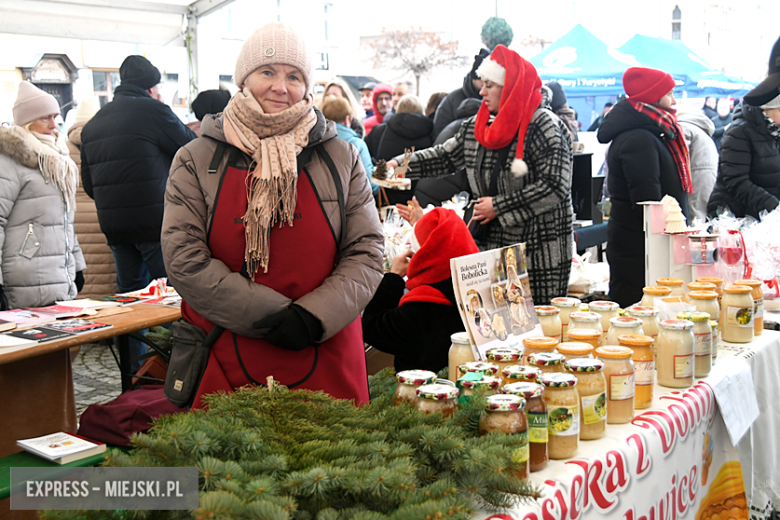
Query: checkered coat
535, 208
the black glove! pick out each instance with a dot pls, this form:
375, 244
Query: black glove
79, 281
3, 300
294, 328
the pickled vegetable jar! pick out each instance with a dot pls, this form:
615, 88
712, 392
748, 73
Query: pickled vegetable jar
408, 383
563, 414
505, 413
758, 304
520, 373
620, 375
702, 341
675, 284
503, 357
461, 352
567, 306
547, 362
623, 325
674, 363
644, 366
592, 389
575, 349
437, 398
705, 301
536, 412
736, 314
607, 311
589, 336
550, 320
651, 292
537, 344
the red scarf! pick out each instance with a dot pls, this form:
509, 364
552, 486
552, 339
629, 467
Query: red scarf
673, 137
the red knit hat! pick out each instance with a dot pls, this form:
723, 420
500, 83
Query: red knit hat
647, 85
519, 99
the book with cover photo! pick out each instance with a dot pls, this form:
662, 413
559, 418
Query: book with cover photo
40, 334
62, 447
77, 326
494, 297
25, 318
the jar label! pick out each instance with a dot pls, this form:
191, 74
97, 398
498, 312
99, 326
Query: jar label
702, 345
758, 308
564, 420
594, 408
521, 454
683, 366
621, 387
537, 427
645, 370
739, 317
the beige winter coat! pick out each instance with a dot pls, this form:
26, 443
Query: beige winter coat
100, 275
228, 299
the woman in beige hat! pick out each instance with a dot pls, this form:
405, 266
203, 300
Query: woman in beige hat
270, 232
41, 261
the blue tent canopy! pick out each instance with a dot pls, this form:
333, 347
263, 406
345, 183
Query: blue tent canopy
691, 73
583, 64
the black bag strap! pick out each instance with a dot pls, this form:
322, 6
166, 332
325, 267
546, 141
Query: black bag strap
503, 153
217, 158
339, 192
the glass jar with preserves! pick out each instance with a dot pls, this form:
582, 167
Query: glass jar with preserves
715, 326
520, 373
490, 384
649, 317
705, 301
698, 286
736, 314
488, 369
575, 350
623, 325
563, 414
592, 389
505, 413
702, 341
550, 320
503, 357
674, 362
437, 398
620, 375
408, 383
651, 292
567, 306
713, 280
607, 311
536, 412
585, 320
675, 284
644, 367
589, 336
461, 352
758, 304
547, 362
537, 344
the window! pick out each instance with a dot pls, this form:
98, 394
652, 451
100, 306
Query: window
676, 23
326, 19
103, 84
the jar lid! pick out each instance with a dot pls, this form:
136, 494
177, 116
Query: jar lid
634, 340
749, 283
524, 389
503, 354
657, 290
478, 366
416, 377
585, 316
714, 324
575, 348
558, 380
544, 359
702, 286
737, 289
505, 403
547, 310
711, 279
461, 338
584, 365
670, 281
614, 352
694, 316
437, 392
625, 321
642, 312
565, 302
703, 295
584, 334
486, 381
540, 342
603, 306
676, 324
521, 372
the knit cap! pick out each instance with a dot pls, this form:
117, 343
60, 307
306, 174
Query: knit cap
137, 70
274, 43
87, 109
775, 103
33, 103
210, 102
646, 85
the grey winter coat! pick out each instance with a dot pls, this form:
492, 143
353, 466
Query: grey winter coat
698, 130
535, 208
40, 252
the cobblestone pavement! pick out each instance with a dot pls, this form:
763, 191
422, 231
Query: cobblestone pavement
95, 376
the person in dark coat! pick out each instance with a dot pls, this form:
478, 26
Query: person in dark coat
560, 107
597, 123
208, 102
407, 128
721, 120
446, 113
416, 326
648, 158
467, 108
709, 107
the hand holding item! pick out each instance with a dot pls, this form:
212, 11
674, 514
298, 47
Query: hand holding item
483, 210
294, 328
401, 263
392, 164
411, 212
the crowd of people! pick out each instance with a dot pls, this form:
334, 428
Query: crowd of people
263, 214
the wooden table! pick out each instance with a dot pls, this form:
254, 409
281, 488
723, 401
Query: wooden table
36, 383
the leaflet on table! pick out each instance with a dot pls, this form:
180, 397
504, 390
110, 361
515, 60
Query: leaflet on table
60, 311
732, 384
494, 297
25, 318
7, 341
62, 447
88, 303
77, 326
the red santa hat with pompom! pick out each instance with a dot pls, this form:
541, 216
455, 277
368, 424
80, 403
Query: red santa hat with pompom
520, 97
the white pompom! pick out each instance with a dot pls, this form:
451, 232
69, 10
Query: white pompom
519, 168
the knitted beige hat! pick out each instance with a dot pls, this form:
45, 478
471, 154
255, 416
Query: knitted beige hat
774, 103
33, 103
274, 43
87, 109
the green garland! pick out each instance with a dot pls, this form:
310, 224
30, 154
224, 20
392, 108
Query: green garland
295, 454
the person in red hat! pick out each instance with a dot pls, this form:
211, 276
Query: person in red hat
648, 158
382, 102
516, 142
416, 327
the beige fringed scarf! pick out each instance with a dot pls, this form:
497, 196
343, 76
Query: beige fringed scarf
54, 162
273, 141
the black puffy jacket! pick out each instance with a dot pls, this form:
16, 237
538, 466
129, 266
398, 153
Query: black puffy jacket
446, 112
403, 130
749, 168
126, 153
